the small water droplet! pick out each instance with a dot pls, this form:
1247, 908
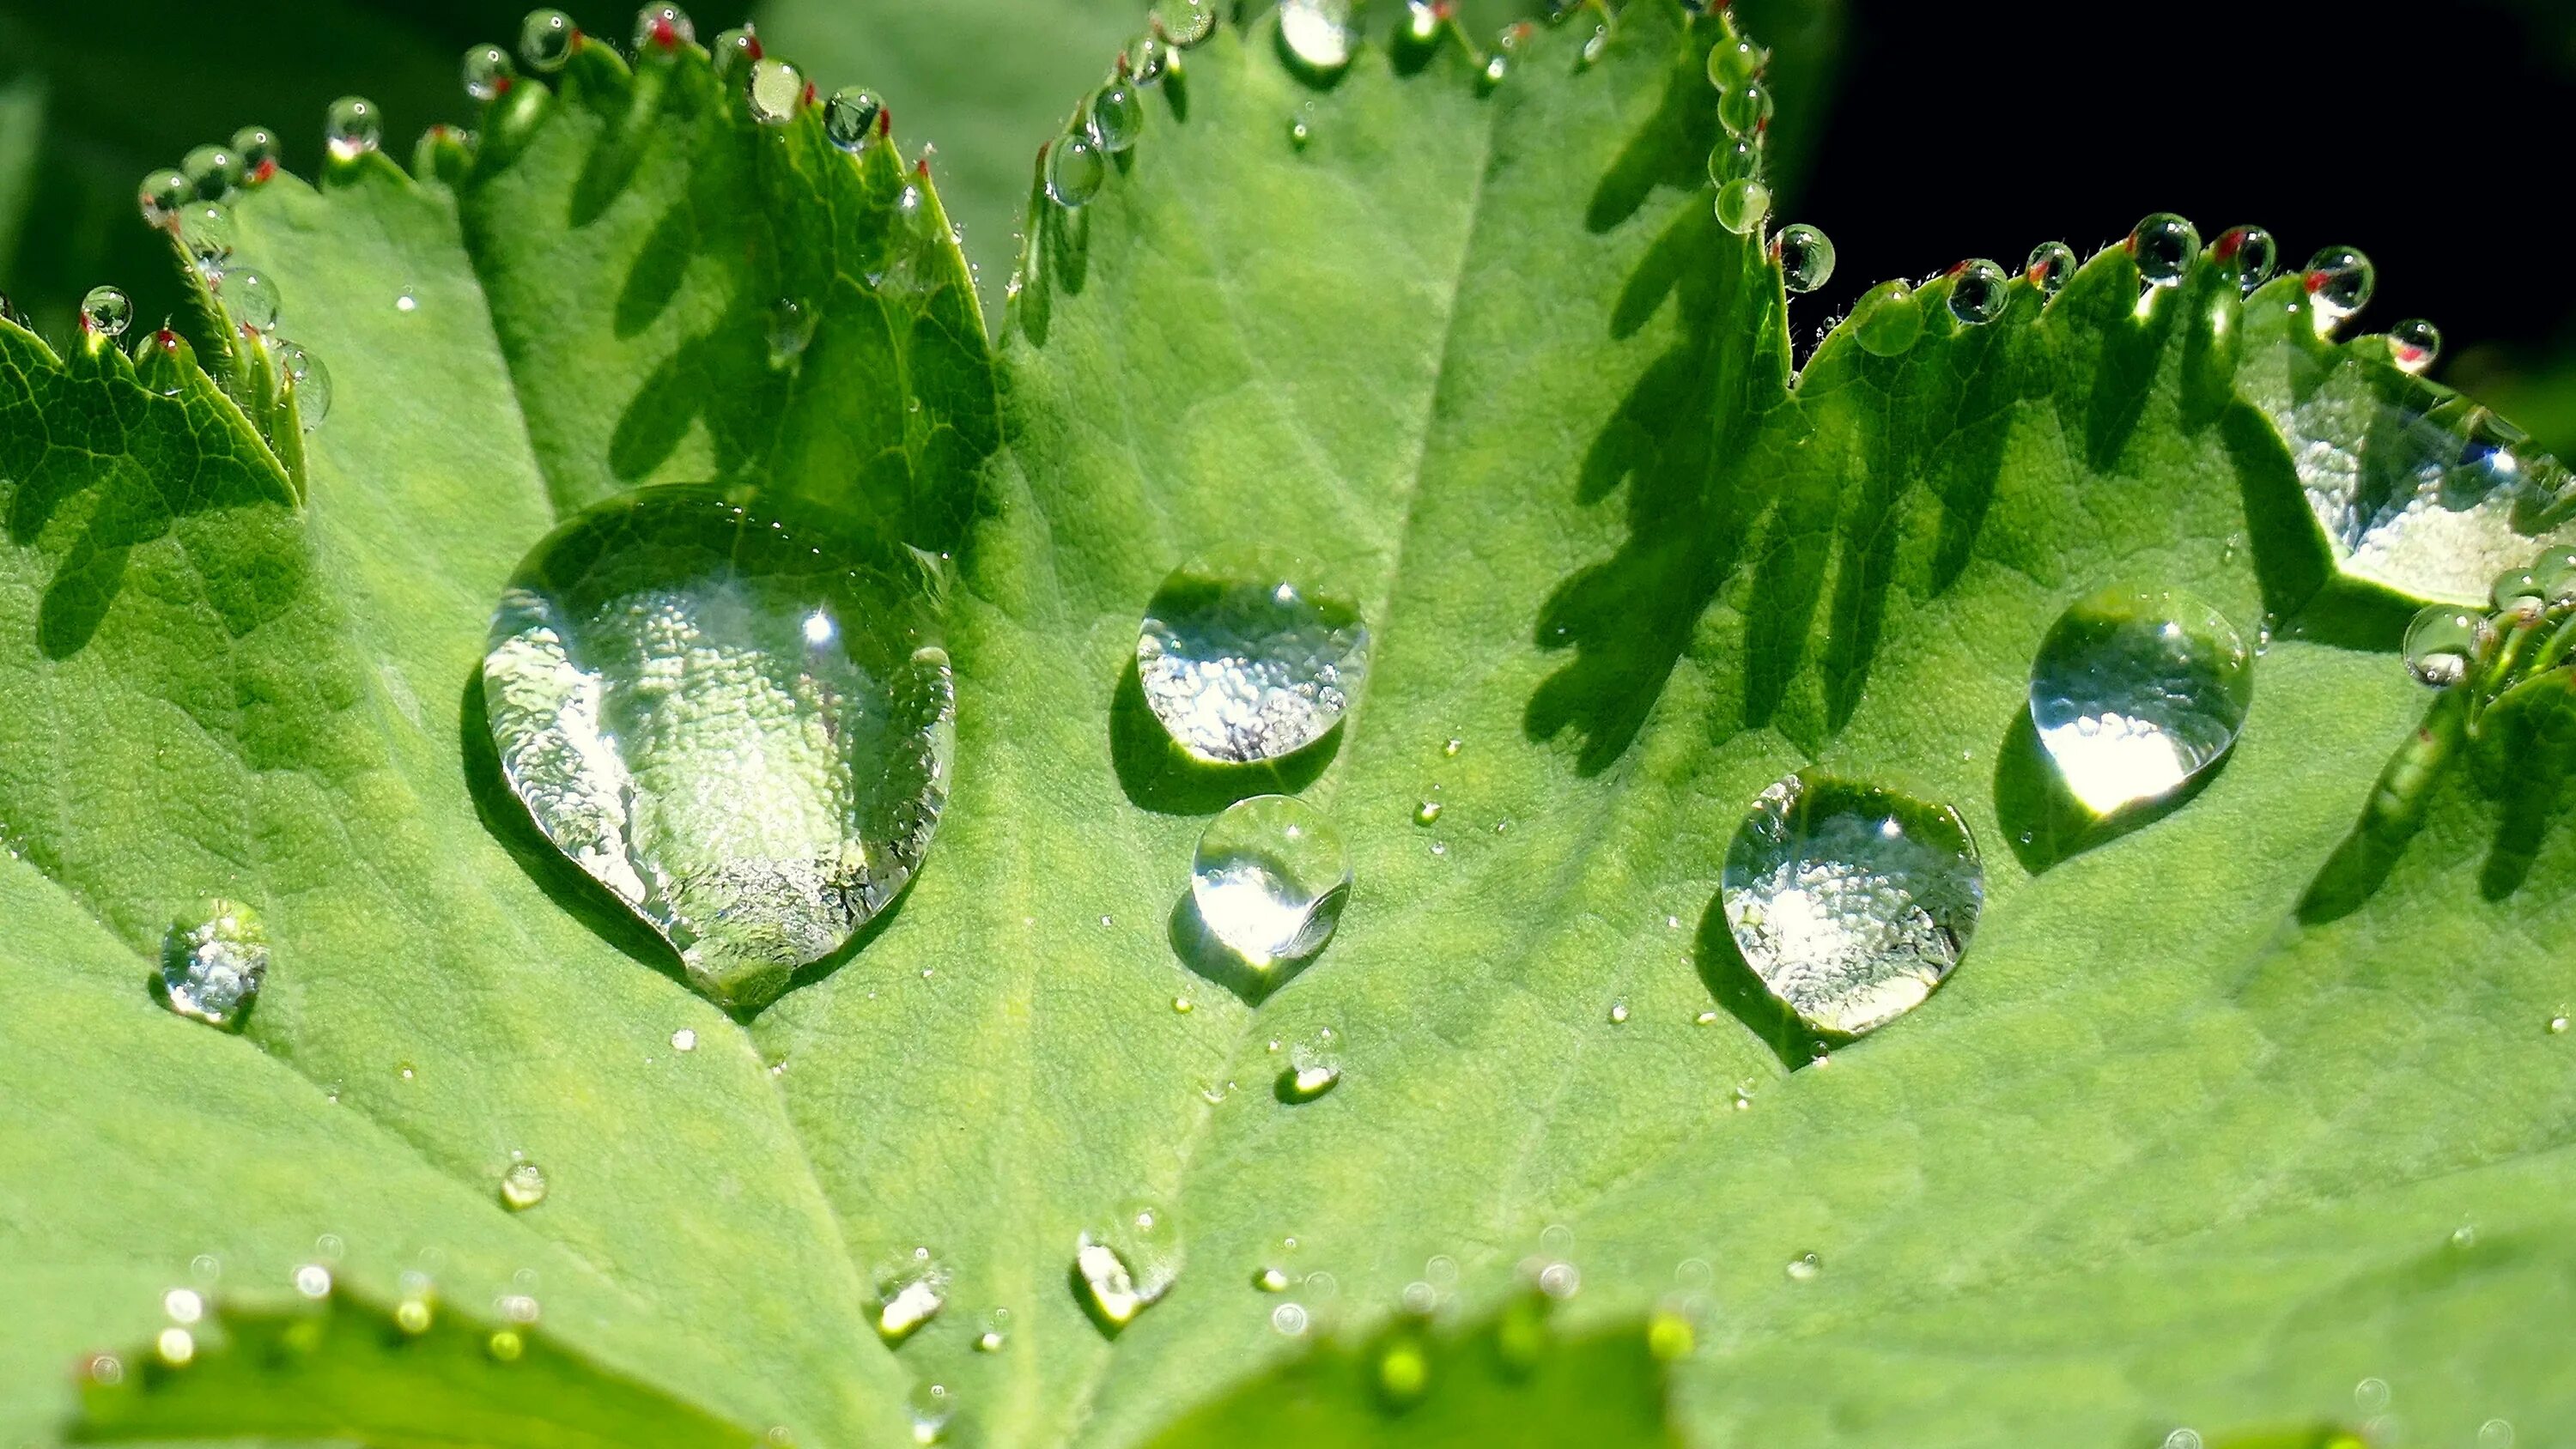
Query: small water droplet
1596, 45
2050, 264
733, 53
2414, 345
488, 73
2134, 692
774, 91
1805, 1267
2165, 246
1186, 22
1850, 902
1733, 158
2558, 1025
106, 312
1269, 880
1127, 1269
1182, 1005
309, 378
2370, 1395
2464, 1236
1241, 663
2442, 641
1439, 847
546, 40
1298, 133
213, 960
1806, 258
2495, 1434
206, 1268
1289, 1319
791, 328
249, 297
1271, 1280
213, 172
2251, 251
1705, 1018
1497, 66
1742, 204
996, 1332
175, 1347
1559, 1280
1317, 35
523, 1186
850, 117
105, 1369
1978, 291
256, 148
663, 27
206, 230
1115, 117
1452, 747
183, 1305
1426, 813
684, 1040
312, 1280
1618, 1013
1556, 1240
2183, 1439
1314, 1068
2339, 282
1887, 319
1075, 171
352, 128
910, 1291
160, 197
1744, 109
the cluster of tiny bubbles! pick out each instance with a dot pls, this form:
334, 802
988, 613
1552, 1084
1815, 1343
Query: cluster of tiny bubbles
2050, 264
106, 312
1805, 256
249, 297
735, 50
1978, 290
1115, 116
1186, 22
909, 1290
1314, 1068
773, 92
352, 128
1744, 110
488, 72
546, 39
214, 173
1075, 169
523, 1186
1742, 204
993, 1334
663, 27
851, 116
2414, 345
2339, 281
2135, 691
213, 959
1269, 880
1317, 35
932, 1406
160, 197
2165, 246
2251, 251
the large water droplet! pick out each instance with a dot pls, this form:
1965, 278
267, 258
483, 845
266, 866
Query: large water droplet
1269, 881
2135, 692
1806, 258
1887, 319
774, 91
250, 297
1318, 35
352, 128
2339, 282
1978, 291
1241, 663
1850, 902
1116, 116
1126, 1268
213, 960
1075, 170
106, 312
850, 117
2165, 246
733, 53
910, 1291
2050, 264
488, 72
546, 39
734, 716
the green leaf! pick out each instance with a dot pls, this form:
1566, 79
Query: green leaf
2181, 1142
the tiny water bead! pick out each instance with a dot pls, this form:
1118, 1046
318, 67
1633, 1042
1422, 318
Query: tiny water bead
1850, 902
1116, 116
684, 1040
213, 172
2414, 345
2442, 641
910, 1290
1978, 291
1805, 1267
1742, 204
2165, 246
352, 128
737, 718
663, 27
2050, 264
791, 330
546, 40
1314, 1068
1744, 109
1618, 1013
995, 1334
256, 147
1272, 1280
160, 197
2251, 251
1806, 258
249, 297
1075, 170
213, 960
523, 1186
2339, 282
106, 312
774, 91
2134, 692
488, 72
1186, 22
1318, 35
850, 117
1243, 663
1269, 880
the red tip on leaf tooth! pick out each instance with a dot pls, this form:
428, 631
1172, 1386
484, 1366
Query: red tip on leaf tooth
665, 34
1444, 10
166, 340
264, 171
809, 93
577, 41
751, 47
885, 124
2316, 281
2226, 247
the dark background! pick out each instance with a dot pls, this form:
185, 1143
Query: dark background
2433, 139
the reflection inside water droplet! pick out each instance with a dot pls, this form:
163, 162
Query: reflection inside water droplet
1126, 1268
523, 1186
2134, 692
1241, 662
1317, 35
213, 960
910, 1290
1269, 880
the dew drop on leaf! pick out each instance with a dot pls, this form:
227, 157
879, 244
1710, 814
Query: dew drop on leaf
1269, 880
1242, 663
1887, 319
733, 53
546, 40
663, 27
2165, 246
310, 379
1977, 292
735, 716
2441, 642
1731, 159
1742, 204
160, 197
106, 312
1806, 258
1122, 1270
1317, 35
523, 1186
488, 72
1075, 170
932, 1406
1850, 902
1115, 117
1744, 109
910, 1290
2414, 345
2050, 264
352, 128
791, 328
995, 1332
1426, 813
2339, 282
213, 172
1289, 1320
2183, 1439
1734, 62
1805, 1267
2134, 692
2250, 251
1186, 22
1314, 1068
850, 117
1271, 1280
774, 91
249, 297
2555, 574
206, 230
213, 960
256, 148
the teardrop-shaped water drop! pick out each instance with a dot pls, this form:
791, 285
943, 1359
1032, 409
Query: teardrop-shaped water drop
1242, 662
2165, 246
2339, 282
1850, 902
1075, 170
213, 959
1317, 35
1269, 880
1116, 116
2134, 692
2414, 345
106, 312
909, 1291
850, 117
2050, 264
487, 72
1742, 204
2442, 641
352, 128
791, 331
774, 91
1125, 1268
1186, 22
310, 379
1806, 258
1978, 292
213, 172
736, 716
2251, 251
546, 39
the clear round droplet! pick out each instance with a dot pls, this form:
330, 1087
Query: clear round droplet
1186, 22
1850, 902
1887, 320
1314, 1068
352, 128
737, 718
733, 53
850, 117
1127, 1266
523, 1186
663, 27
1734, 62
546, 39
249, 297
2555, 572
160, 197
2165, 246
1075, 170
488, 72
1805, 1267
1742, 204
2183, 1439
1116, 117
1978, 291
106, 312
2251, 251
2339, 282
206, 230
1269, 880
1318, 35
2135, 691
1155, 58
2414, 345
1242, 663
1806, 258
909, 1290
1733, 158
310, 379
2495, 1434
774, 91
213, 959
2050, 264
256, 147
2441, 643
213, 172
1744, 109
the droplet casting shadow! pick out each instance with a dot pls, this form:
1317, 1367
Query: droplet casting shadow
1160, 776
2045, 824
1730, 978
1209, 960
